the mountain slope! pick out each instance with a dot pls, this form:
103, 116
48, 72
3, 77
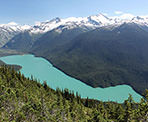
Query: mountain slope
60, 25
24, 99
8, 31
104, 57
70, 26
22, 42
55, 39
27, 41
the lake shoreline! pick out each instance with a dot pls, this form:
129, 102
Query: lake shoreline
81, 79
102, 94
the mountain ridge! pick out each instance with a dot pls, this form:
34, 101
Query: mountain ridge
90, 21
10, 30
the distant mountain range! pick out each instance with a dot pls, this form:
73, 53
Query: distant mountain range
100, 51
10, 30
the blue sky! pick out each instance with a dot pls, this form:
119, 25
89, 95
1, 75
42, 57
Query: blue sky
29, 11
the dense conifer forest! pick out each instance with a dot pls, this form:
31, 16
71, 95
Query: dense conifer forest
26, 100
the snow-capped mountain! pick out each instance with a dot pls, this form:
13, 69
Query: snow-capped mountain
7, 31
12, 26
72, 22
90, 22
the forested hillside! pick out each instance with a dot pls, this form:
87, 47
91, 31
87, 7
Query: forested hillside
24, 99
104, 57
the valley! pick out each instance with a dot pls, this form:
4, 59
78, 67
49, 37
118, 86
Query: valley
97, 50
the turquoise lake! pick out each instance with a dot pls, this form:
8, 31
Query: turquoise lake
43, 70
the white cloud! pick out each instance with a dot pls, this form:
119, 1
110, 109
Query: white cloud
118, 12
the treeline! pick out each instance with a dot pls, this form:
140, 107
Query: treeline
26, 100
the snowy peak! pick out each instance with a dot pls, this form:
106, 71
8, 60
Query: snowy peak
100, 19
55, 20
12, 27
8, 31
138, 18
90, 22
42, 27
71, 22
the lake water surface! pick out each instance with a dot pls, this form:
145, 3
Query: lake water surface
43, 70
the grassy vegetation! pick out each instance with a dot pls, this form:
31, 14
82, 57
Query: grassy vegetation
26, 100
